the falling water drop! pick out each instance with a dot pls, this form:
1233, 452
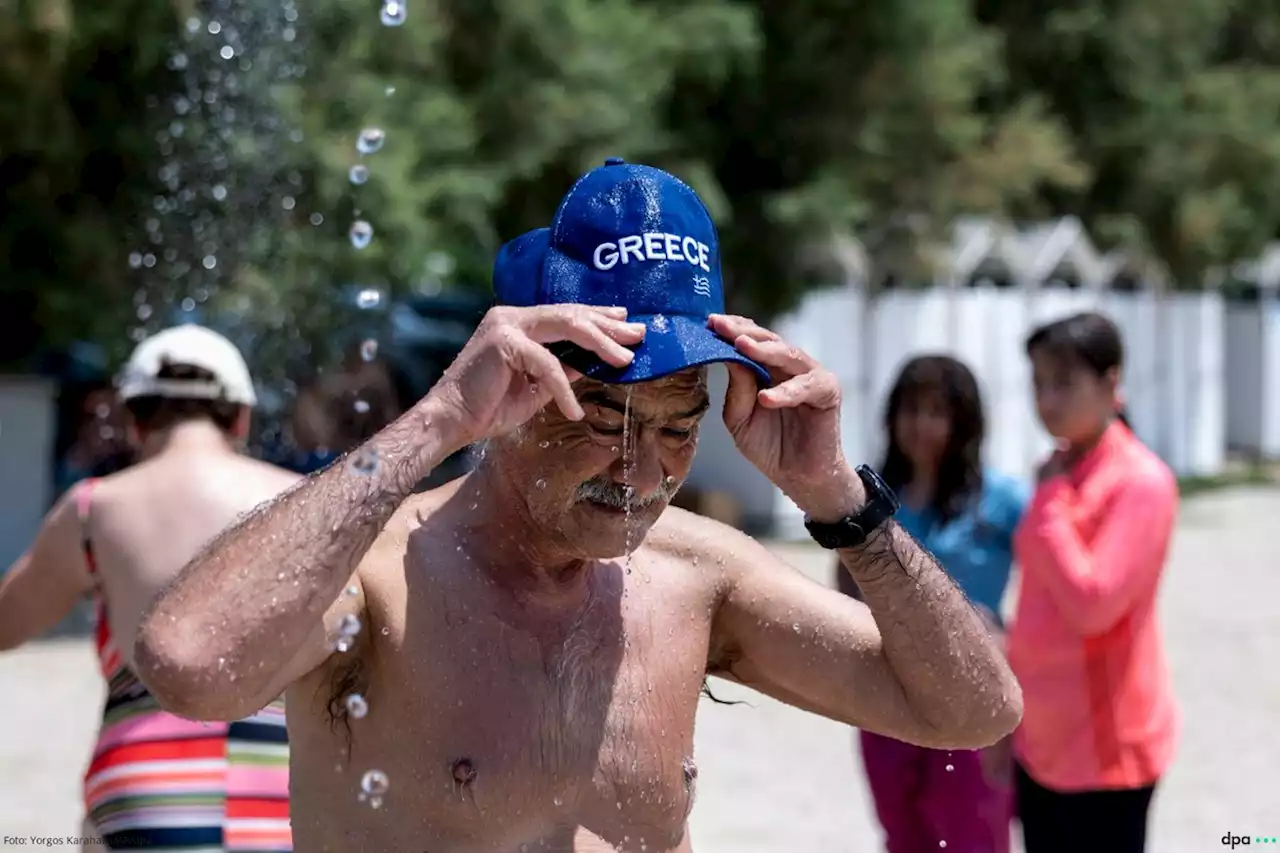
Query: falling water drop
370, 140
389, 91
393, 13
368, 299
364, 461
361, 407
375, 783
361, 233
358, 174
540, 484
369, 350
357, 707
349, 625
942, 844
628, 468
950, 768
227, 52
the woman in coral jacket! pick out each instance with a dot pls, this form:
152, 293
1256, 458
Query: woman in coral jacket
1100, 722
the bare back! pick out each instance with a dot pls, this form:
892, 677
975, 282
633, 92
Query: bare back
148, 521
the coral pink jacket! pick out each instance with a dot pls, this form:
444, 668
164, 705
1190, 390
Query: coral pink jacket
1099, 710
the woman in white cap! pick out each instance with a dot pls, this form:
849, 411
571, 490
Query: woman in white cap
157, 780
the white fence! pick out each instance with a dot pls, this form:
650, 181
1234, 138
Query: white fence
1253, 377
1181, 351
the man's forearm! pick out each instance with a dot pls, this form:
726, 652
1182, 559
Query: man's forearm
949, 666
256, 592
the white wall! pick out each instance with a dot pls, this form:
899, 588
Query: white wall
26, 451
1175, 382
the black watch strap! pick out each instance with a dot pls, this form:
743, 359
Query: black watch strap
853, 530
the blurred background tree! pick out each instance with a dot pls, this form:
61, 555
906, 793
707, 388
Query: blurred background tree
143, 168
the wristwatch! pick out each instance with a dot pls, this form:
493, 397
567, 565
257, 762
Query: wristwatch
853, 530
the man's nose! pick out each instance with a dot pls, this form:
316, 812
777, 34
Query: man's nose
640, 466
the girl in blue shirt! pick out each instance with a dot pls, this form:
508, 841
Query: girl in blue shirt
966, 517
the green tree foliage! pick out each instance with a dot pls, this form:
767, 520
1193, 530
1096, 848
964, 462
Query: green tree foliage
1173, 105
796, 121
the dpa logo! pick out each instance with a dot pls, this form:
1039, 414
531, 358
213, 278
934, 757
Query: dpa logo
1233, 841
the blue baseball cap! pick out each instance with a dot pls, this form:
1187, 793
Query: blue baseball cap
631, 236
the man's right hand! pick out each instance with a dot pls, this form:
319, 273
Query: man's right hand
505, 374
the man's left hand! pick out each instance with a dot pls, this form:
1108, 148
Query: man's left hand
791, 431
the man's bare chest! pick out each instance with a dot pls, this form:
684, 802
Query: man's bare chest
508, 734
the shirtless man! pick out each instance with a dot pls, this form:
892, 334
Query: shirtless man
535, 634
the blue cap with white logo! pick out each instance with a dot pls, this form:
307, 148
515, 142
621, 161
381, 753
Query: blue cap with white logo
633, 236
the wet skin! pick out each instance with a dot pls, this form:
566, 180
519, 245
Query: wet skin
548, 713
528, 688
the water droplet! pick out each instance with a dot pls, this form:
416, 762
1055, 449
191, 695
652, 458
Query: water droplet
209, 262
393, 13
358, 174
188, 304
344, 644
370, 140
227, 51
361, 407
541, 484
353, 590
368, 298
144, 312
386, 632
950, 768
219, 192
375, 783
349, 625
389, 91
361, 233
558, 801
942, 844
214, 28
375, 802
288, 202
356, 706
795, 626
544, 444
369, 350
364, 461
317, 218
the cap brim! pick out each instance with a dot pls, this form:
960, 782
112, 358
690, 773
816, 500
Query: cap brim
671, 343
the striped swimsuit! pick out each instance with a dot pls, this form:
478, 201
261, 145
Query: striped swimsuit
161, 782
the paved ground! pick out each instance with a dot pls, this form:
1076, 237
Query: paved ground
776, 779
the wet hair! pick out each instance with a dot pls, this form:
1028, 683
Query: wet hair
1088, 339
960, 469
154, 412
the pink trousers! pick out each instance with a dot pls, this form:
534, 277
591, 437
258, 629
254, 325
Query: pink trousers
921, 803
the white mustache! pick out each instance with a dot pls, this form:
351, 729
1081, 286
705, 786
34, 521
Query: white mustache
602, 490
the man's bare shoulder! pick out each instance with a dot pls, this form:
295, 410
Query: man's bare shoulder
713, 544
415, 513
